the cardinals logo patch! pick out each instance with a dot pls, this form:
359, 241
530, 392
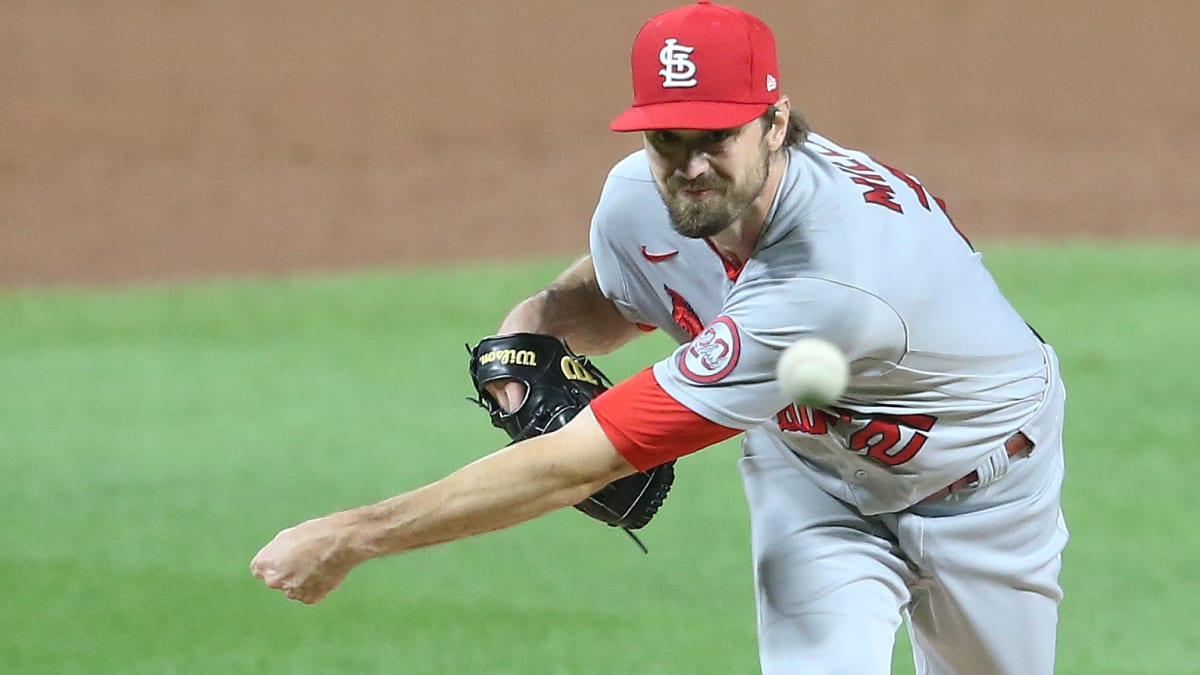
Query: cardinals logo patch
683, 314
713, 354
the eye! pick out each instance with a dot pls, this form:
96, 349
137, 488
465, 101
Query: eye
664, 138
719, 136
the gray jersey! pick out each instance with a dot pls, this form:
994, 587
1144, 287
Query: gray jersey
943, 370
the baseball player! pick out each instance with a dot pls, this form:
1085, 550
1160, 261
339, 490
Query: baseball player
929, 491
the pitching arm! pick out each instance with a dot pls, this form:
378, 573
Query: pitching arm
507, 487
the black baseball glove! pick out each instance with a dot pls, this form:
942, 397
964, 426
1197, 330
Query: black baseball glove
560, 383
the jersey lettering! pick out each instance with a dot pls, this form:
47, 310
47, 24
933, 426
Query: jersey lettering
912, 183
923, 197
880, 193
880, 438
803, 419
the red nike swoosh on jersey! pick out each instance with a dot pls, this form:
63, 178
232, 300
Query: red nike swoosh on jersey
658, 257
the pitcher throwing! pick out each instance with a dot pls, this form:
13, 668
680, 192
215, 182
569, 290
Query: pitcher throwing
929, 491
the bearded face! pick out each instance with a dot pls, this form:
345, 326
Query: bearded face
711, 203
706, 204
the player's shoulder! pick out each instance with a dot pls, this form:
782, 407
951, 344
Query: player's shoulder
821, 140
827, 149
629, 194
775, 308
633, 167
629, 183
833, 164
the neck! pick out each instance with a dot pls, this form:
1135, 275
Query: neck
740, 239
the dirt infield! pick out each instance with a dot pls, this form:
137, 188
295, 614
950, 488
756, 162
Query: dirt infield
170, 140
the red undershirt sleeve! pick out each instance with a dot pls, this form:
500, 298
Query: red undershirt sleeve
648, 427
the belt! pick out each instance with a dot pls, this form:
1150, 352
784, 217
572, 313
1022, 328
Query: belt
1015, 445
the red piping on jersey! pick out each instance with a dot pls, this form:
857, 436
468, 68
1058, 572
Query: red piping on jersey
648, 427
733, 267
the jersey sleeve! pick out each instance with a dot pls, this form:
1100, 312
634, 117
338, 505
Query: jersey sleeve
648, 427
727, 373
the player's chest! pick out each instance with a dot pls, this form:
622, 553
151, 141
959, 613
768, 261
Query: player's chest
682, 286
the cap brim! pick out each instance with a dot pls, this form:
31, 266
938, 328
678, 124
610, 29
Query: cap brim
687, 115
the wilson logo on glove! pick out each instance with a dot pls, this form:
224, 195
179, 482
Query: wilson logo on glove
577, 370
521, 357
554, 395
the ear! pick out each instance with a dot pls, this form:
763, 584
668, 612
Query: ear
779, 126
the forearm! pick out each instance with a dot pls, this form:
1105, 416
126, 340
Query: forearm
508, 487
573, 308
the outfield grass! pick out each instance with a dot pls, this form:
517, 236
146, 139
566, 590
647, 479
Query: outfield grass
151, 440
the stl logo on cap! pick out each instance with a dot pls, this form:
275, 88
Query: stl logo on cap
678, 68
700, 66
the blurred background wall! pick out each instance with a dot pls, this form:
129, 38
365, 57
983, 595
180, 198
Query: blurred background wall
174, 139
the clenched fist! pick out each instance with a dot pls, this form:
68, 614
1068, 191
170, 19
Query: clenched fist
307, 561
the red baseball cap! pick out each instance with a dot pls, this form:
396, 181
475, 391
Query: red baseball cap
701, 66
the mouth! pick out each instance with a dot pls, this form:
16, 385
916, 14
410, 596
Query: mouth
698, 194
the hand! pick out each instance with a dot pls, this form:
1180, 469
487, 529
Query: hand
307, 561
509, 394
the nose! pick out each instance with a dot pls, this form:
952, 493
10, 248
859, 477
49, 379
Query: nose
694, 166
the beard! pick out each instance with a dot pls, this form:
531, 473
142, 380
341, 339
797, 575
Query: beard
700, 218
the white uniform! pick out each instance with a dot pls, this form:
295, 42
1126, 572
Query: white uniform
943, 373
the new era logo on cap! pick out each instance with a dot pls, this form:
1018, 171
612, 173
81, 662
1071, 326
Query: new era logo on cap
701, 66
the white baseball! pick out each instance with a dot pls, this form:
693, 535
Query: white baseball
812, 372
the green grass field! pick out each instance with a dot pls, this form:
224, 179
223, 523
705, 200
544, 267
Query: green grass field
152, 439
